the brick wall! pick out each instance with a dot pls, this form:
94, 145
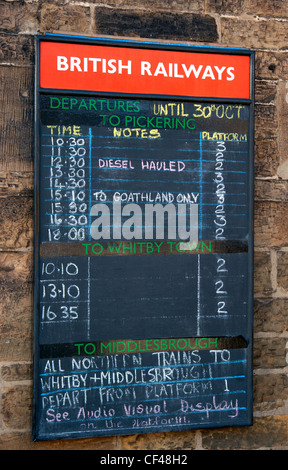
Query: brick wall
258, 24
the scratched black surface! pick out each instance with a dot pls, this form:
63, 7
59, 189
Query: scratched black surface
140, 393
188, 147
87, 299
144, 297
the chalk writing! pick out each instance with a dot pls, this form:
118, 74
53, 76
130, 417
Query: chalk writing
105, 162
157, 391
88, 163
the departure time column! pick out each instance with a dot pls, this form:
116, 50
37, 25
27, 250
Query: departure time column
67, 171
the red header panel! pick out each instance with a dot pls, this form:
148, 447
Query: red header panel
83, 67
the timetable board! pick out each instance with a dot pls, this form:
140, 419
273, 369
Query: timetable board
143, 247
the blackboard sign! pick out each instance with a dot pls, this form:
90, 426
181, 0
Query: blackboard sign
143, 247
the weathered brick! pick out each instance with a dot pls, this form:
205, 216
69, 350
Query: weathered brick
17, 49
266, 157
269, 353
283, 129
265, 91
16, 274
188, 27
23, 441
166, 5
223, 7
271, 224
68, 18
271, 8
16, 120
270, 392
7, 21
272, 65
16, 372
18, 16
271, 190
159, 441
255, 34
16, 183
266, 122
16, 407
17, 222
266, 432
271, 316
282, 271
262, 273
